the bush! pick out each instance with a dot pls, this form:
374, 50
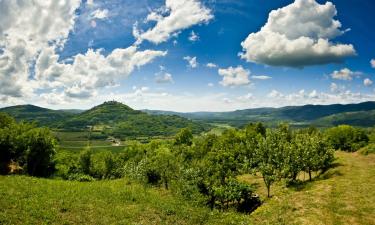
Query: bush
347, 138
81, 177
369, 149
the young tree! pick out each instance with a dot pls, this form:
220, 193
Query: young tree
270, 156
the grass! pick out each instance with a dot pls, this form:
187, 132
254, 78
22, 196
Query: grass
344, 195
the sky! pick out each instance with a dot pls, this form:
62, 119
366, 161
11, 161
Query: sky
186, 55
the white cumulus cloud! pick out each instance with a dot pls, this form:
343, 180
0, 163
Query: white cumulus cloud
344, 74
211, 65
29, 60
372, 62
175, 16
26, 28
367, 82
164, 78
298, 35
100, 14
192, 61
234, 76
193, 37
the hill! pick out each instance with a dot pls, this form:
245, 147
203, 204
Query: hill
42, 116
361, 118
298, 115
342, 194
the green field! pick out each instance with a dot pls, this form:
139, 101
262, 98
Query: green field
343, 195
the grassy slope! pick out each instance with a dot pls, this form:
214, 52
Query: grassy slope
345, 195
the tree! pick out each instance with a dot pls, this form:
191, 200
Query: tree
184, 137
5, 120
163, 162
85, 161
40, 152
270, 156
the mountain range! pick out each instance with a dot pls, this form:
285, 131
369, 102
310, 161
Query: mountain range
118, 119
360, 114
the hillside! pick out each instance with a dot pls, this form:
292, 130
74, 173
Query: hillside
121, 120
343, 194
306, 114
361, 118
42, 116
116, 119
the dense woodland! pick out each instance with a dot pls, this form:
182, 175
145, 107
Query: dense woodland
203, 169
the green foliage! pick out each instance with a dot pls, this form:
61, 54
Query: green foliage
347, 138
369, 149
184, 137
26, 146
85, 161
5, 120
163, 164
119, 120
41, 116
40, 152
205, 169
270, 156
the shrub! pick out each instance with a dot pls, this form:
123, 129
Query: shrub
347, 138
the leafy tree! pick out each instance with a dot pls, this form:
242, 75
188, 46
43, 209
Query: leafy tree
85, 161
5, 120
163, 162
40, 152
270, 156
184, 137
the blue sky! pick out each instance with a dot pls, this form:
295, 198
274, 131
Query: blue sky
190, 55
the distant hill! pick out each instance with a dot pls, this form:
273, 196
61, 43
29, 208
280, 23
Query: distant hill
32, 113
117, 119
361, 118
110, 118
304, 115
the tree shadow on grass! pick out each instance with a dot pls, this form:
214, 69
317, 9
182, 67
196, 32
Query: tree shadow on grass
300, 185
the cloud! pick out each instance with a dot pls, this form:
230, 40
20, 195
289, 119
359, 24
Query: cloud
92, 70
372, 62
234, 76
164, 78
334, 87
100, 14
261, 77
90, 2
245, 98
210, 84
298, 35
26, 28
192, 61
175, 16
193, 37
344, 74
367, 82
211, 65
275, 94
29, 62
